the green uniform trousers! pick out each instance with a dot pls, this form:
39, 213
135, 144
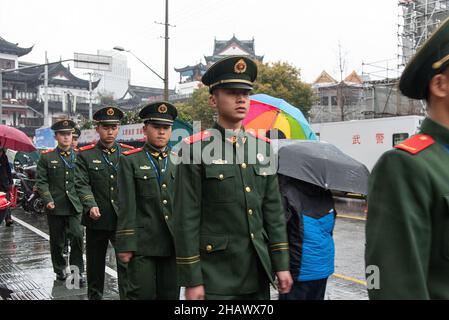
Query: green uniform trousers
152, 278
61, 228
97, 242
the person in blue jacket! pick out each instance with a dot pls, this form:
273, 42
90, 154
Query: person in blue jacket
310, 214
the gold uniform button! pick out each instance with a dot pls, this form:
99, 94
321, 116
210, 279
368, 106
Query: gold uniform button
252, 235
112, 188
145, 177
166, 217
66, 182
209, 248
244, 165
164, 202
66, 172
164, 186
67, 191
112, 201
221, 176
248, 189
112, 176
250, 212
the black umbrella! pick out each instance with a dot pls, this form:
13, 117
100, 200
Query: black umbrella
321, 164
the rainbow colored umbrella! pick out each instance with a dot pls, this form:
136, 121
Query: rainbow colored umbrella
268, 113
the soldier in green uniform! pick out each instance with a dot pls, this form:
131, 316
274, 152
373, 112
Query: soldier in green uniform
145, 221
75, 138
231, 235
407, 231
96, 184
55, 184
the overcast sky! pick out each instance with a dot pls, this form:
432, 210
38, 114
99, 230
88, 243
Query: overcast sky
304, 33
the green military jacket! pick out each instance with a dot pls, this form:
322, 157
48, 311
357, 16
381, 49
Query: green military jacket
230, 227
96, 184
55, 182
145, 220
407, 231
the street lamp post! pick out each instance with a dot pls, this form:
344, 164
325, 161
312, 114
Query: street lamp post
164, 79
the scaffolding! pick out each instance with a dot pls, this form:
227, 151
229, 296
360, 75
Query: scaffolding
417, 20
379, 95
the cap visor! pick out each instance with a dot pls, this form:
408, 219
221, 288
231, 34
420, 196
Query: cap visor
243, 86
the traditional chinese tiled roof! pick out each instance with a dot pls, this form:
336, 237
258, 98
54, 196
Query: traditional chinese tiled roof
58, 75
12, 48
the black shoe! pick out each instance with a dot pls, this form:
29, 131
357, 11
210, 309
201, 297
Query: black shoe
9, 222
66, 250
81, 279
61, 276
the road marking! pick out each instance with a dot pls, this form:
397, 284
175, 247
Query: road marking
350, 217
30, 227
108, 270
349, 279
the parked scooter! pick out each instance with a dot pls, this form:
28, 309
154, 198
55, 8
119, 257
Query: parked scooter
27, 196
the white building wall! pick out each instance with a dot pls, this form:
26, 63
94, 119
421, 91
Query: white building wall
10, 57
116, 81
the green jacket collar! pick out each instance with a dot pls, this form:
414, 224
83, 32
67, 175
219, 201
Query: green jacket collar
229, 135
106, 150
435, 130
155, 152
64, 153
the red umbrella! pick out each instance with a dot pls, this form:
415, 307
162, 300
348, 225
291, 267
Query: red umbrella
11, 138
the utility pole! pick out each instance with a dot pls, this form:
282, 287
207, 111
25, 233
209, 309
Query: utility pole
167, 38
166, 95
46, 118
90, 96
90, 93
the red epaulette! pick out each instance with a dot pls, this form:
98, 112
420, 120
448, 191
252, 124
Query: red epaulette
416, 144
47, 151
90, 146
127, 153
126, 146
197, 137
254, 134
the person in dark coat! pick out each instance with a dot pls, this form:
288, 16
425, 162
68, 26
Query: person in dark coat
5, 185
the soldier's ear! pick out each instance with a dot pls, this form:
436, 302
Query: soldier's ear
439, 86
213, 101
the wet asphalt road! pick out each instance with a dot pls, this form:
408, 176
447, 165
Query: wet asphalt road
26, 271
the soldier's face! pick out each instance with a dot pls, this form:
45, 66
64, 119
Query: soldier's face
231, 104
157, 135
74, 142
107, 132
64, 139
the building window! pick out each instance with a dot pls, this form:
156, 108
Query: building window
324, 101
399, 137
334, 101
